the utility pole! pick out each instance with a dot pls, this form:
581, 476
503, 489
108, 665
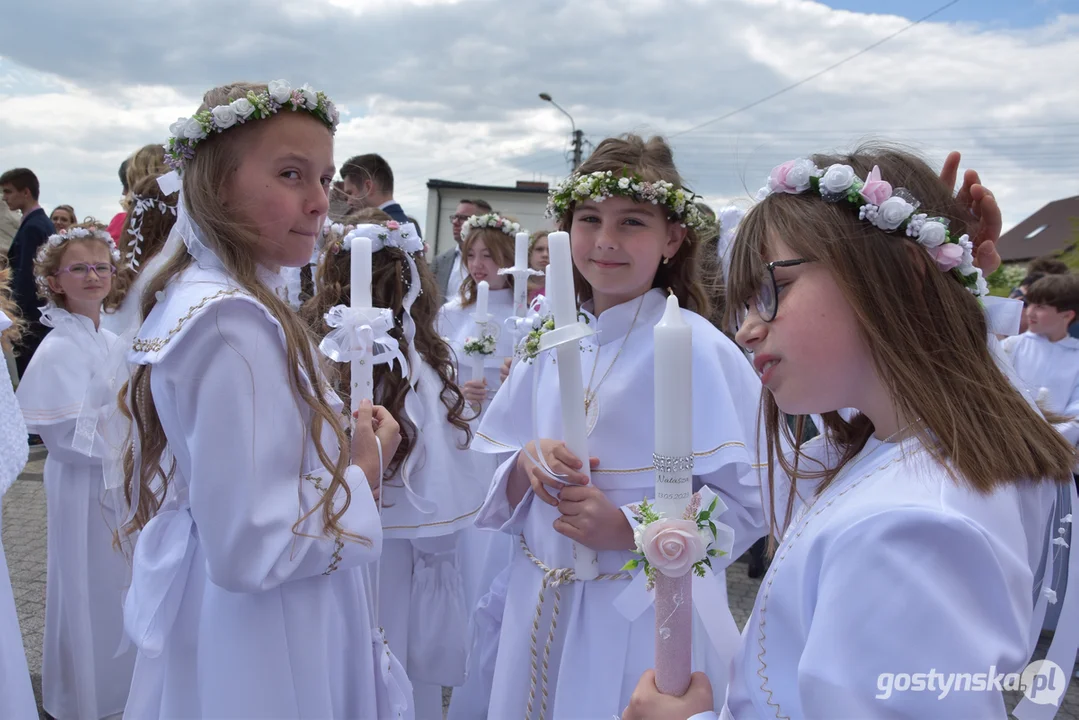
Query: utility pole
578, 135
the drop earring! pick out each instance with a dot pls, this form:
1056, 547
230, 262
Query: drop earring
666, 260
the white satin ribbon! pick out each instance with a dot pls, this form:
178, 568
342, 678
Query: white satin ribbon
361, 334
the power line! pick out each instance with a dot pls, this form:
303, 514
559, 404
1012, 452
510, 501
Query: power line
815, 75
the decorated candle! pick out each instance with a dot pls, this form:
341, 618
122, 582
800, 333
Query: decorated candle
481, 317
674, 487
363, 384
570, 382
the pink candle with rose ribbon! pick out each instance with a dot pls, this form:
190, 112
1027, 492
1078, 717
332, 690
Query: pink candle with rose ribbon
674, 488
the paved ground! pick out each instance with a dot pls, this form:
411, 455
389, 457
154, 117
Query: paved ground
24, 546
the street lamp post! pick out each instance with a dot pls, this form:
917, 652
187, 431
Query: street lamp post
578, 135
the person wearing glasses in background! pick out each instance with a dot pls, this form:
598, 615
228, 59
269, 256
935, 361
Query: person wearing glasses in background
449, 270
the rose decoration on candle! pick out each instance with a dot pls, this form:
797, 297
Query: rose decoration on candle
675, 546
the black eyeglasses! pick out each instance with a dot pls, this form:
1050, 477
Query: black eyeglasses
766, 300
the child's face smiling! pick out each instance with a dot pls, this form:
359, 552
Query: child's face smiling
618, 245
481, 266
83, 288
1047, 321
281, 186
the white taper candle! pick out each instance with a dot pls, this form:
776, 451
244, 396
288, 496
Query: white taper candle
570, 382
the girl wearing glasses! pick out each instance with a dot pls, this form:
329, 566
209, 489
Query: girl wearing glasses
921, 537
82, 676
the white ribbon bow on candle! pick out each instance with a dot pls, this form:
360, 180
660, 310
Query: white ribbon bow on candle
361, 334
406, 238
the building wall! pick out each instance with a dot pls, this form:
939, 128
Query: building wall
527, 208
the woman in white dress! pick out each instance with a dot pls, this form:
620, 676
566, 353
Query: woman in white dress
914, 565
16, 694
256, 513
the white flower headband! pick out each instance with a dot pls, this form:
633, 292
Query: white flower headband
389, 234
138, 214
885, 208
77, 233
680, 203
188, 132
490, 220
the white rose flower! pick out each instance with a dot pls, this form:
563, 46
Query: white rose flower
933, 234
224, 116
280, 90
310, 97
837, 179
242, 107
623, 183
193, 130
892, 212
799, 174
176, 130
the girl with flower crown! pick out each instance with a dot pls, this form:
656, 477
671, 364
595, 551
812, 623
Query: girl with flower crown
16, 694
82, 675
634, 234
430, 489
912, 533
255, 511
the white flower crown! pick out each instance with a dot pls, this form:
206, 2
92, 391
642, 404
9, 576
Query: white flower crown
186, 133
389, 234
680, 203
490, 220
884, 208
77, 233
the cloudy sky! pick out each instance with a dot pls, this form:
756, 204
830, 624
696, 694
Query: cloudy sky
448, 88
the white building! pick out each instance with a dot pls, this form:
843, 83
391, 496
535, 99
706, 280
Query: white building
526, 204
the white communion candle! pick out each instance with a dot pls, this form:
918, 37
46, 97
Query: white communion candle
480, 316
674, 487
674, 407
520, 257
520, 279
363, 383
570, 382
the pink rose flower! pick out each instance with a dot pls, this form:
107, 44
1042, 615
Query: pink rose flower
673, 546
791, 177
393, 224
875, 190
948, 256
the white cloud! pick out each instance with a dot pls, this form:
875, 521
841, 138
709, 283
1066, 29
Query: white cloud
448, 89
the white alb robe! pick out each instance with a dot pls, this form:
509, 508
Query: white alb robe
484, 553
1054, 366
16, 694
81, 675
422, 603
596, 655
240, 604
894, 568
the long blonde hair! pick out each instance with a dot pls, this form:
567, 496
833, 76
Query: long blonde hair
926, 333
233, 241
500, 246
